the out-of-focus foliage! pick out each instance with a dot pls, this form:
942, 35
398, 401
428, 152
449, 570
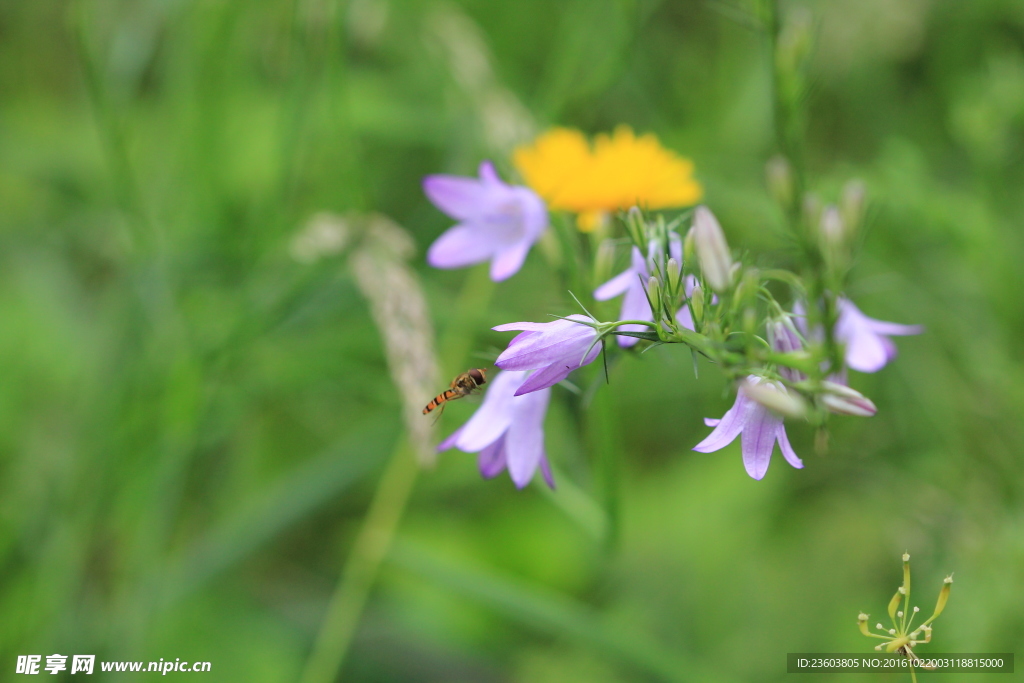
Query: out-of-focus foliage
193, 422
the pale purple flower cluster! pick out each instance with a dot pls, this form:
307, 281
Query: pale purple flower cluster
868, 349
500, 223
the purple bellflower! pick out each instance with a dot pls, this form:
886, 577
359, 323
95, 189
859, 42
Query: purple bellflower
760, 429
784, 339
632, 282
837, 396
497, 222
552, 349
868, 347
507, 431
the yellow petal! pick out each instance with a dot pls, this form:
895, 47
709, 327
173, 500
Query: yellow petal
620, 171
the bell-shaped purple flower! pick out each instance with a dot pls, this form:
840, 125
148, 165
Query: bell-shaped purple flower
507, 431
497, 222
631, 282
784, 339
552, 349
868, 347
760, 429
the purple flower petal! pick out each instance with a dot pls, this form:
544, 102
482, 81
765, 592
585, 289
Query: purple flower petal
525, 439
555, 373
460, 198
760, 428
507, 431
867, 349
758, 439
545, 469
459, 246
562, 341
634, 307
492, 419
488, 175
533, 327
616, 286
783, 339
507, 262
450, 441
726, 429
533, 213
691, 284
867, 352
492, 460
545, 377
787, 451
497, 220
685, 318
675, 248
893, 329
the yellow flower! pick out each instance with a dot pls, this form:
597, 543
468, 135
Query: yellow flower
620, 171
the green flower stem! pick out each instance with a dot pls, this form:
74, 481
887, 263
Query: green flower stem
372, 544
375, 537
603, 435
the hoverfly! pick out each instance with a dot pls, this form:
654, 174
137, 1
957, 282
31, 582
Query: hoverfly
463, 385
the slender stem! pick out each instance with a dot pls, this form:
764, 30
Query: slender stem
360, 572
377, 534
603, 436
636, 322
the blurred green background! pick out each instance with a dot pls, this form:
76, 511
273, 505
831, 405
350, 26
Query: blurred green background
193, 421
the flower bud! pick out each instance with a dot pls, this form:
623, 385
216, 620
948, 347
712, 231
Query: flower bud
851, 205
775, 398
697, 305
689, 250
780, 180
654, 296
636, 228
833, 230
712, 250
783, 338
674, 273
843, 400
811, 210
794, 42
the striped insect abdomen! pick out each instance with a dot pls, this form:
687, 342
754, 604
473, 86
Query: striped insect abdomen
445, 395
